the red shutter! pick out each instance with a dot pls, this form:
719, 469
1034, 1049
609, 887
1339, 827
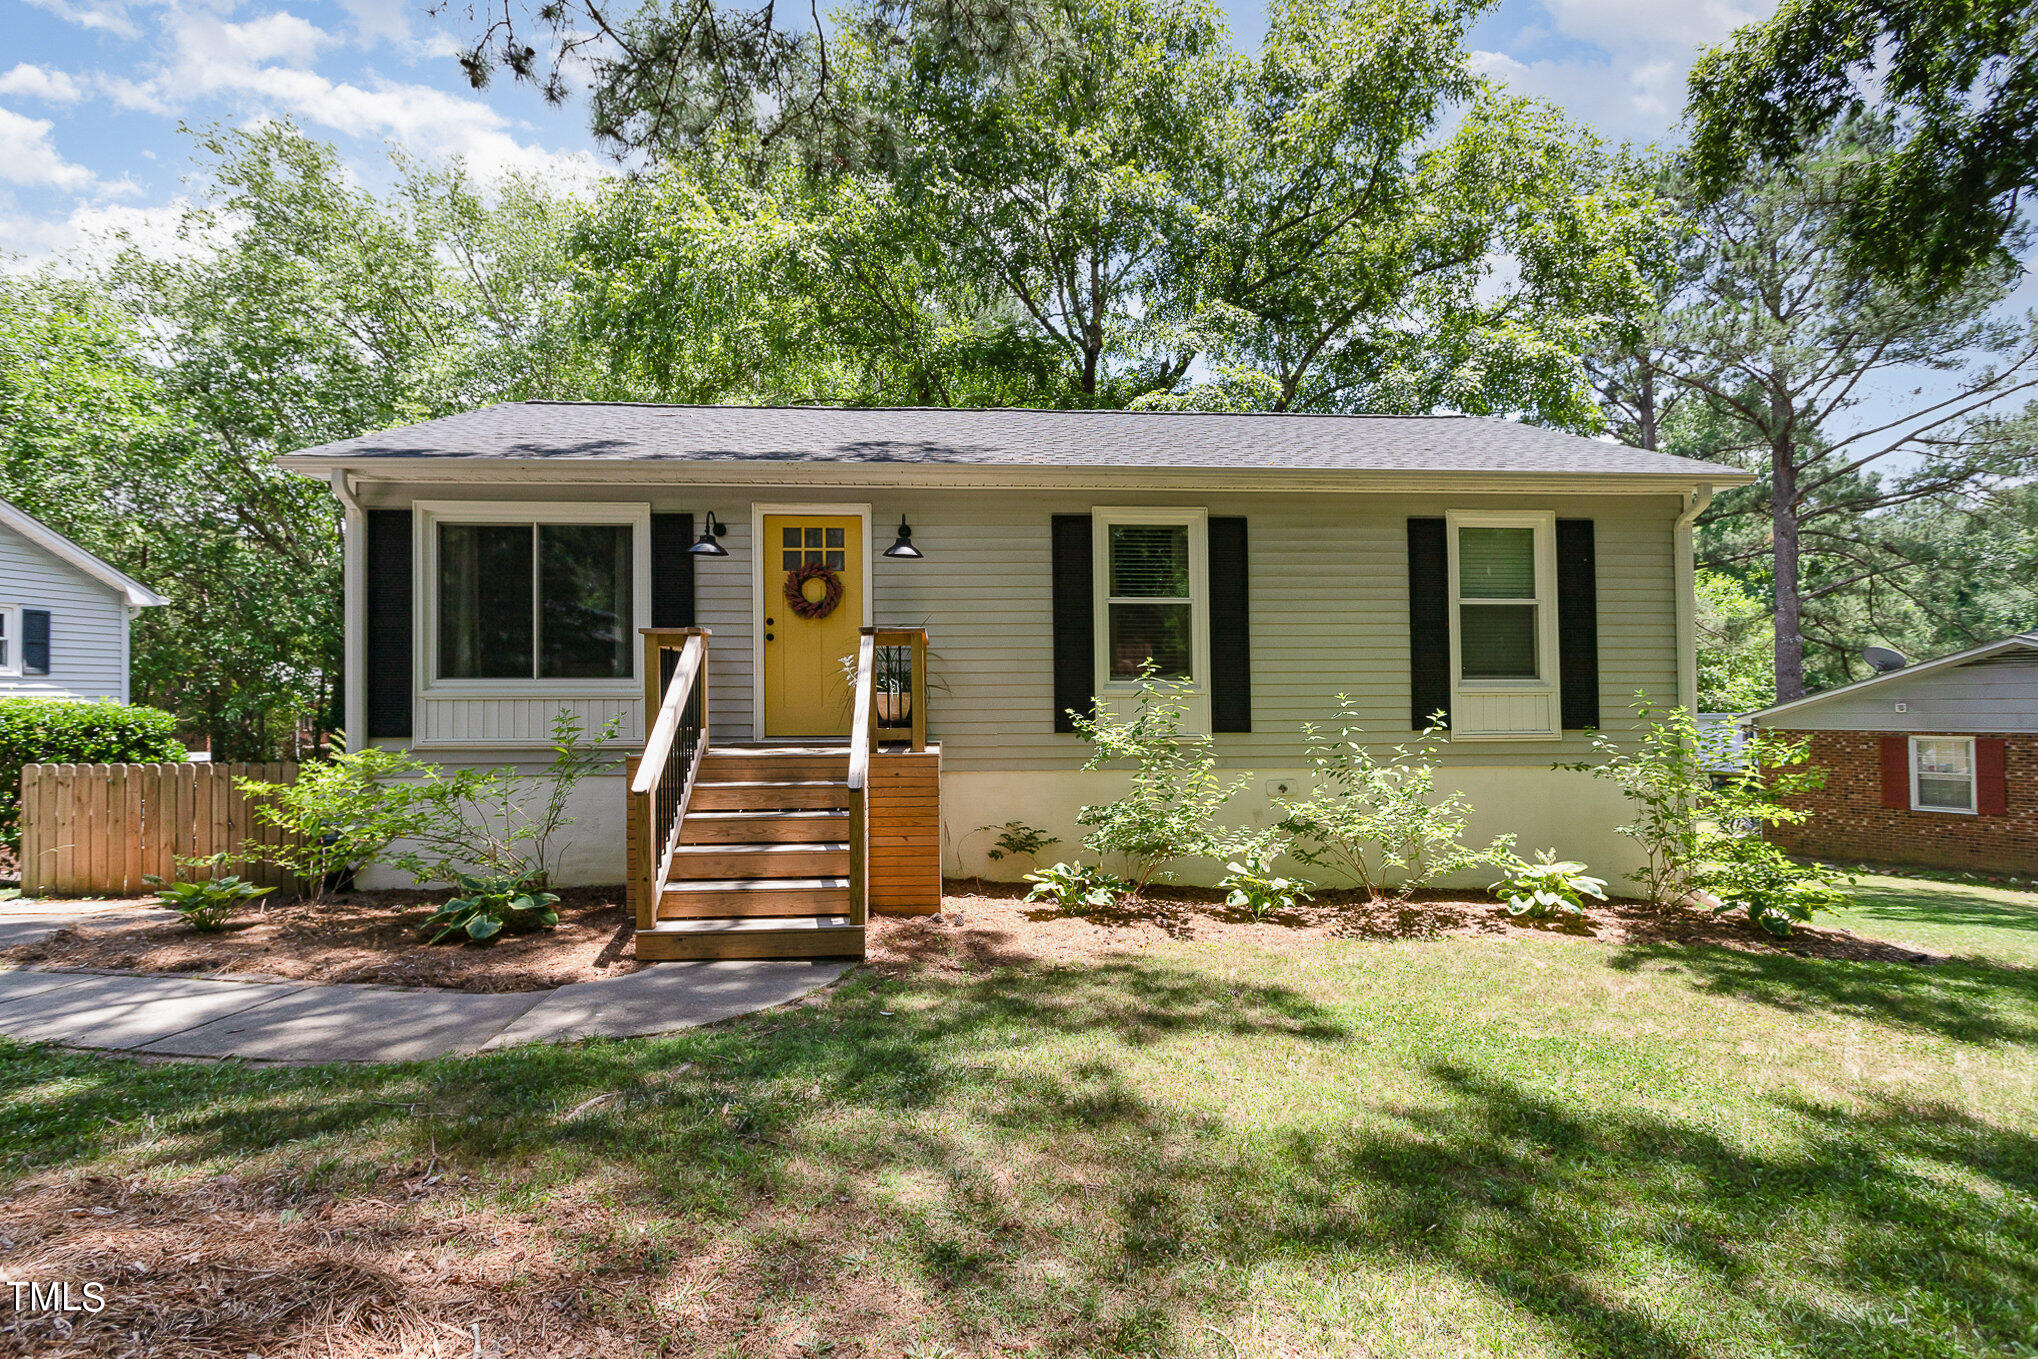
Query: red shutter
1991, 789
1896, 772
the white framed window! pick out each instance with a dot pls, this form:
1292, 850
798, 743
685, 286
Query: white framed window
1503, 588
1151, 577
531, 598
10, 641
1942, 774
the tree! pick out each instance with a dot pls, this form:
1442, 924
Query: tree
1775, 345
1957, 84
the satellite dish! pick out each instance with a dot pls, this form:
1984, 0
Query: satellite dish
1882, 660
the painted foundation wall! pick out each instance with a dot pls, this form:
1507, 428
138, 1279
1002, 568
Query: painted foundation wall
1574, 814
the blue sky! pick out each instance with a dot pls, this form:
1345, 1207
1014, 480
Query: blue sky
92, 91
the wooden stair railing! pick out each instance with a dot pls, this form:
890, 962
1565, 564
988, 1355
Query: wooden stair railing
868, 726
676, 705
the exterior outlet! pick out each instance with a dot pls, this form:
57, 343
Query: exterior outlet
1284, 787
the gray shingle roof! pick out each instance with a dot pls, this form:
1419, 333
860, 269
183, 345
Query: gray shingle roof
545, 431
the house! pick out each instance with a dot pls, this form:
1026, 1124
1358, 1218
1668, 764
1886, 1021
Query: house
1934, 764
502, 563
64, 615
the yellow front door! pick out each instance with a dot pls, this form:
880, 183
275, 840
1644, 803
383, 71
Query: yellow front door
806, 692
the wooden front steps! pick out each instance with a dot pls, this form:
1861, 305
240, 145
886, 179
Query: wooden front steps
762, 866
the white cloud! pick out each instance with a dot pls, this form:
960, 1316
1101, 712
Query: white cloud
1670, 26
38, 82
28, 157
91, 235
106, 16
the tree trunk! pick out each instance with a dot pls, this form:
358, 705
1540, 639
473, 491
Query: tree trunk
1645, 405
1784, 548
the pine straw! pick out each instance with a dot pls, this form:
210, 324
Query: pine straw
360, 937
232, 1268
985, 924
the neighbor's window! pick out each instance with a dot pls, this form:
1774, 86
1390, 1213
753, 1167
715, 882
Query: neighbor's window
1499, 607
10, 628
535, 601
1942, 773
1151, 603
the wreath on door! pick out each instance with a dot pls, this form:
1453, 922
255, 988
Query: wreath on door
797, 599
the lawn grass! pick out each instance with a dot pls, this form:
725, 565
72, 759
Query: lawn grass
1520, 1145
1963, 918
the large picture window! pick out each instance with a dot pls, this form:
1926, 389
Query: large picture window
1942, 773
535, 601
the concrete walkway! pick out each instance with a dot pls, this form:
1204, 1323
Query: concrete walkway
172, 1016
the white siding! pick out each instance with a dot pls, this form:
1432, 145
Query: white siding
88, 624
1995, 694
1329, 601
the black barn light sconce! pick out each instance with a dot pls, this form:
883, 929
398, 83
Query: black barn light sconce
710, 531
902, 546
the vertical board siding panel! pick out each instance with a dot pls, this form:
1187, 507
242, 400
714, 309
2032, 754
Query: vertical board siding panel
222, 824
31, 830
131, 844
67, 848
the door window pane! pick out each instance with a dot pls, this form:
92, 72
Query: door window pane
1150, 561
485, 601
1497, 641
584, 601
1156, 632
1946, 775
1496, 563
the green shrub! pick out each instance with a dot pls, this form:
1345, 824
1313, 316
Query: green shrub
207, 904
62, 731
1169, 812
1377, 820
486, 907
1703, 833
342, 812
1548, 888
1075, 888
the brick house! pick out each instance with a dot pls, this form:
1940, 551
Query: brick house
1935, 764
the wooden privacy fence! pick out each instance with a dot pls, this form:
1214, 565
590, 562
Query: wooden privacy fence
98, 829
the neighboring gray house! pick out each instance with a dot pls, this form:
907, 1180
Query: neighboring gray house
64, 615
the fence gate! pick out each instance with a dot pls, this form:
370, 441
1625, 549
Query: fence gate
98, 829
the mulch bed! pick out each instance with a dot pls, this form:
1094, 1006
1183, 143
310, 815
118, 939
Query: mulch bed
988, 924
359, 937
373, 936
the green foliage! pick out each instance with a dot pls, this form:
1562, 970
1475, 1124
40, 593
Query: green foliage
52, 731
1377, 820
1250, 882
1958, 82
1548, 888
496, 823
207, 904
1701, 832
1169, 811
1736, 646
343, 812
485, 907
1016, 839
1076, 888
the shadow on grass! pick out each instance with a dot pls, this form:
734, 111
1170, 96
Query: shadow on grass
998, 1163
1968, 1000
1942, 904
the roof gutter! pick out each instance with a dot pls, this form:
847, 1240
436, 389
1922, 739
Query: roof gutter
1695, 501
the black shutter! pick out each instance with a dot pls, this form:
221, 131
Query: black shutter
388, 553
1231, 656
1577, 623
1429, 623
35, 641
1075, 644
671, 571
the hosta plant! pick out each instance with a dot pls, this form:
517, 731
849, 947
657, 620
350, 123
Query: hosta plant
1549, 888
207, 904
1250, 883
488, 906
1076, 888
